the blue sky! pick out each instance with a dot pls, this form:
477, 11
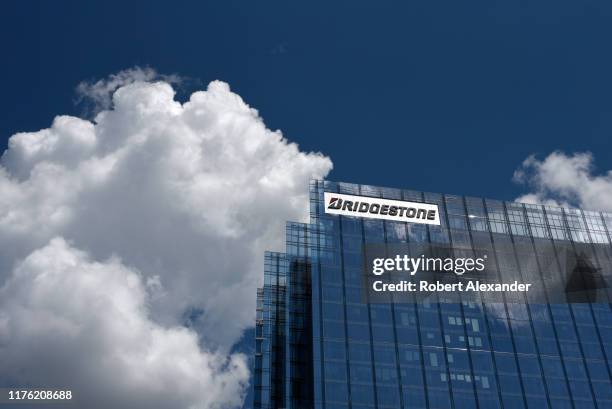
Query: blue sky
447, 97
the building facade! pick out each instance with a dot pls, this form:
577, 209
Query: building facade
319, 345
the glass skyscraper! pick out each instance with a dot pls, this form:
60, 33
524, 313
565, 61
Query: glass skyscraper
319, 345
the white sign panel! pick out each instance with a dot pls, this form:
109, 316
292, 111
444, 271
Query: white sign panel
376, 208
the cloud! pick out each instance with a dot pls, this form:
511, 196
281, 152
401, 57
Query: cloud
67, 322
566, 180
189, 195
97, 96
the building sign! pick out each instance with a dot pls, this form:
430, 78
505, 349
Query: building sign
377, 208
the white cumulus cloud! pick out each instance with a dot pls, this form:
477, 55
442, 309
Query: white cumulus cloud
98, 95
67, 322
566, 180
167, 204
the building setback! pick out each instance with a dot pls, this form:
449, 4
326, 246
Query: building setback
319, 345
